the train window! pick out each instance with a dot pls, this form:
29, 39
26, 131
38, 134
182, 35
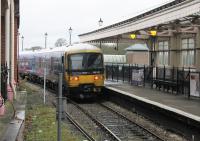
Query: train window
94, 60
85, 61
76, 61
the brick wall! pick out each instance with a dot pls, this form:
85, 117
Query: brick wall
138, 58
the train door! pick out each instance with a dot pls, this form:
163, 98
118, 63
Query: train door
66, 68
66, 74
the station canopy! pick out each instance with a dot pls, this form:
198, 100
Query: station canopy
177, 16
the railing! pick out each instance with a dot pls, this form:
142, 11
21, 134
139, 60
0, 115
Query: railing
170, 79
132, 74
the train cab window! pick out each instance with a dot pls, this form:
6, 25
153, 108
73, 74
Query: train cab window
84, 61
94, 60
76, 61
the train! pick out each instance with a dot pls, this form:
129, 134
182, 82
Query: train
81, 64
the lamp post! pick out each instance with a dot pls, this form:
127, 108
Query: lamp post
153, 34
70, 34
100, 22
45, 35
22, 43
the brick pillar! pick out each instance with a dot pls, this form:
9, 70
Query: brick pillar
0, 47
8, 41
2, 40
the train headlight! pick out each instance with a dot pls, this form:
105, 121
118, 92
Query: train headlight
74, 78
98, 77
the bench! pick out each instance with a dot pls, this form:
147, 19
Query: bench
166, 85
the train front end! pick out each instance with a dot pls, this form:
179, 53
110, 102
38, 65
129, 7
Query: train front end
85, 73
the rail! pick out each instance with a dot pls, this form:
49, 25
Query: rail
150, 132
88, 137
97, 122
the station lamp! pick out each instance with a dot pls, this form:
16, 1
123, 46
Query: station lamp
70, 34
153, 32
132, 36
45, 35
100, 22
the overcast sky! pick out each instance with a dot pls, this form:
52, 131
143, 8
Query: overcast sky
56, 16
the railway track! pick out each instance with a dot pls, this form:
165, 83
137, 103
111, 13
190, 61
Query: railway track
78, 126
84, 133
116, 125
102, 122
93, 131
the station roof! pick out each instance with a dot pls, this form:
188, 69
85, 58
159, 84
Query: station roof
137, 47
182, 13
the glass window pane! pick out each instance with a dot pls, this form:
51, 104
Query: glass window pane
166, 58
191, 41
166, 43
166, 47
184, 41
184, 46
190, 45
184, 56
160, 45
85, 61
191, 57
160, 58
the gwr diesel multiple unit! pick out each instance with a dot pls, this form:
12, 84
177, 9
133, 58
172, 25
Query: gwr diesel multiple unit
81, 65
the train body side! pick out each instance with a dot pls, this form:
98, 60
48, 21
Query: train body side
32, 65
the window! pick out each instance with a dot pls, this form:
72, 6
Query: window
187, 56
83, 61
163, 53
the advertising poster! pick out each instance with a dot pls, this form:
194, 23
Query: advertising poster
194, 84
138, 77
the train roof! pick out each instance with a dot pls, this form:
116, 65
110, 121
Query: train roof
72, 48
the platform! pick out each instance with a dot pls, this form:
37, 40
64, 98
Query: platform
179, 104
14, 127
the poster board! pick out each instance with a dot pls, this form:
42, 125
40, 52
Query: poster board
194, 85
138, 77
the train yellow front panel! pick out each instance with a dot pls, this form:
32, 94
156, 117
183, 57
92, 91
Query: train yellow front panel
97, 80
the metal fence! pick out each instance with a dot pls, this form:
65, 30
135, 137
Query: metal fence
4, 76
170, 79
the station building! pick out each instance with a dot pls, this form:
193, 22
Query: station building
9, 24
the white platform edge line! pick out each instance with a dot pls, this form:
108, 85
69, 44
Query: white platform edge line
191, 116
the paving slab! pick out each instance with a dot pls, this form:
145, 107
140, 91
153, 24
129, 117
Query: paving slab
14, 127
